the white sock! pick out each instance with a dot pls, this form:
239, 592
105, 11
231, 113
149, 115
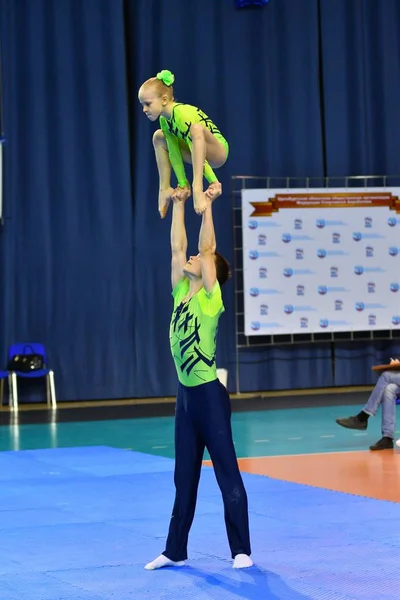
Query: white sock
163, 561
397, 442
242, 561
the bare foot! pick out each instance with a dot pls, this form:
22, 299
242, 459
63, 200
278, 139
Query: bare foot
199, 201
214, 191
164, 199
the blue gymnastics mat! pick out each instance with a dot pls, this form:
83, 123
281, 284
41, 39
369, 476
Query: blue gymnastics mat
80, 523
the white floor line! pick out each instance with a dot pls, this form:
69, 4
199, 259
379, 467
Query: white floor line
158, 447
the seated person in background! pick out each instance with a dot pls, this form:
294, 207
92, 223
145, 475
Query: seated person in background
385, 392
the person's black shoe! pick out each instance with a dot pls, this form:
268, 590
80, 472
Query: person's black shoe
352, 423
386, 443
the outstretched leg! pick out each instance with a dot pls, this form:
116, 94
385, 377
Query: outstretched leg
223, 456
189, 450
214, 420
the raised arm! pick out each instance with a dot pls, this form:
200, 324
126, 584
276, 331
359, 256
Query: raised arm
178, 242
207, 247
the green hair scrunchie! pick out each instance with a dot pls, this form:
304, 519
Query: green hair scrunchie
166, 77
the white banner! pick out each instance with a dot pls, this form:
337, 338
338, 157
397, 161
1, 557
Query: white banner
321, 260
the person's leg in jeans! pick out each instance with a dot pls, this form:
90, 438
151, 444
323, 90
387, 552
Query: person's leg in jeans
189, 451
376, 397
388, 402
214, 422
385, 393
389, 398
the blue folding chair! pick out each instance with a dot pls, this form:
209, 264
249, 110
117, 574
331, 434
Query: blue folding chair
12, 379
25, 349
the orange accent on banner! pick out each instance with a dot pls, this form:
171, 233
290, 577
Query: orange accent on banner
326, 200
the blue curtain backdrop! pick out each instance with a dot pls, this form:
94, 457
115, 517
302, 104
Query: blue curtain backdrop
299, 88
67, 244
361, 75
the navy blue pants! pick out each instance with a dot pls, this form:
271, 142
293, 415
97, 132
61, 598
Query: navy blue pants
203, 420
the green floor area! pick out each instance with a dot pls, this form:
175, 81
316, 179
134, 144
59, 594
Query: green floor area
256, 433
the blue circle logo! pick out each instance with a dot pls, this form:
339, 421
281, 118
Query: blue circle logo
320, 223
322, 289
253, 224
394, 287
393, 251
254, 292
358, 270
255, 325
323, 323
253, 254
392, 221
321, 253
357, 236
396, 320
359, 306
286, 237
288, 308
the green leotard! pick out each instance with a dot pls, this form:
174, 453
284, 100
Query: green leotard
178, 128
193, 333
